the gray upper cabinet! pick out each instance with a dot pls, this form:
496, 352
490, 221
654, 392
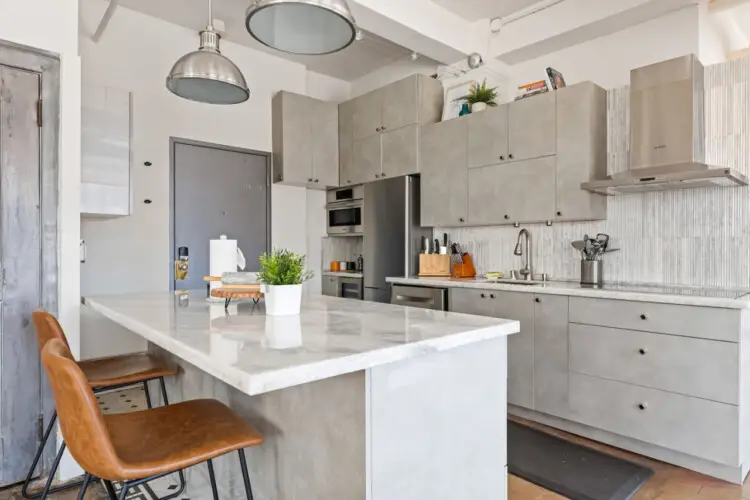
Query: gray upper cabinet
522, 191
442, 159
531, 127
526, 161
581, 151
305, 141
488, 137
391, 114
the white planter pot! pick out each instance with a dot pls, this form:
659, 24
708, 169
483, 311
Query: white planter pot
282, 300
478, 106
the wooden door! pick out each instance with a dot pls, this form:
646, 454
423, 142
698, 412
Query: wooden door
531, 127
400, 152
488, 137
20, 273
442, 164
367, 159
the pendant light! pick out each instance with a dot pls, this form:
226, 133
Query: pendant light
306, 27
206, 75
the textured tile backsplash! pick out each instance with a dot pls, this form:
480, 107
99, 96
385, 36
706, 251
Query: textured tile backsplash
695, 237
340, 248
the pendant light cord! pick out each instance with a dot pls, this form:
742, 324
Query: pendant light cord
210, 16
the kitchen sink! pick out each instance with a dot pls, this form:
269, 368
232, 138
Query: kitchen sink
510, 282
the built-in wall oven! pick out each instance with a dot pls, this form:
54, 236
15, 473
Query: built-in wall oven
344, 209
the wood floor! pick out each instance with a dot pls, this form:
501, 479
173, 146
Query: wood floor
668, 482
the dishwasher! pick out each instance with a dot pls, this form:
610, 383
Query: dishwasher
420, 297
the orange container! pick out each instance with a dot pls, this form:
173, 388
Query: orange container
464, 270
335, 266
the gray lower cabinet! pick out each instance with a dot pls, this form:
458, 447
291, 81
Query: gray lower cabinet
330, 286
551, 354
442, 164
521, 191
305, 141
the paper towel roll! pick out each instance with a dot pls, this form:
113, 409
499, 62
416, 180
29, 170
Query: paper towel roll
222, 259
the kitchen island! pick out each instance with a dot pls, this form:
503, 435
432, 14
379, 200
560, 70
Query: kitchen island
357, 400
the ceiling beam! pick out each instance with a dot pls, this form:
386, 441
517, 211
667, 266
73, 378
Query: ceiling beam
573, 22
419, 25
722, 5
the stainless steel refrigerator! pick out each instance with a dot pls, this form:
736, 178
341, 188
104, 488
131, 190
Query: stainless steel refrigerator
392, 234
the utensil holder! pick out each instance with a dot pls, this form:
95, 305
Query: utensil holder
592, 272
434, 265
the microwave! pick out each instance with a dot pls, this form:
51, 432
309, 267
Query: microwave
344, 211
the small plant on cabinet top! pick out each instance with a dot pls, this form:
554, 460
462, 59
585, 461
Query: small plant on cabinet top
283, 267
480, 94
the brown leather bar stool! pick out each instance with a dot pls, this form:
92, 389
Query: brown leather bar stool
101, 374
137, 447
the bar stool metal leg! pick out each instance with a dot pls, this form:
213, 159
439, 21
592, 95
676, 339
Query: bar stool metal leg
164, 391
55, 465
212, 478
110, 490
82, 492
124, 491
245, 476
148, 395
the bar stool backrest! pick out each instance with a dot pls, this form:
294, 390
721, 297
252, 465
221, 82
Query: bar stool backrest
81, 421
47, 328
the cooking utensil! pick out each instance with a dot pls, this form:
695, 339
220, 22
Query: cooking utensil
445, 239
437, 246
426, 245
580, 245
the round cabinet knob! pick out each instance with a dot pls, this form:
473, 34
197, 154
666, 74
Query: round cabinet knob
382, 128
461, 219
510, 157
502, 158
317, 180
642, 406
483, 295
377, 176
492, 295
382, 175
309, 180
537, 300
559, 214
377, 129
506, 217
642, 352
644, 317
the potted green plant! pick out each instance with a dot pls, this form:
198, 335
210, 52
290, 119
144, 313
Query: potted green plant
282, 273
480, 96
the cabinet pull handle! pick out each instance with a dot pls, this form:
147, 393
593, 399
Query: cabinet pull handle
502, 158
317, 180
382, 128
483, 296
377, 129
510, 157
309, 180
537, 300
507, 217
644, 317
642, 406
461, 219
382, 175
642, 352
559, 214
492, 295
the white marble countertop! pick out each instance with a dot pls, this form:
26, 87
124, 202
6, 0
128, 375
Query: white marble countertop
665, 294
257, 353
343, 274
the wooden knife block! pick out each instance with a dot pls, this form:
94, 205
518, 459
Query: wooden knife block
434, 265
466, 269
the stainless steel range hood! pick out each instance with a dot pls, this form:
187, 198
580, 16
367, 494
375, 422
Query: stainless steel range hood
667, 133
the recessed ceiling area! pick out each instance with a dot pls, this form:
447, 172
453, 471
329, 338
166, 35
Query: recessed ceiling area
359, 59
474, 10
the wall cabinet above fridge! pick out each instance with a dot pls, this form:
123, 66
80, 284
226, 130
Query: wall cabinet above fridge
305, 141
521, 162
105, 151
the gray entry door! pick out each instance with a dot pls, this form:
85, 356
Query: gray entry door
20, 260
219, 191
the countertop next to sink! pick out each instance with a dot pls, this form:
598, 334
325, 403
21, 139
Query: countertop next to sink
343, 274
666, 294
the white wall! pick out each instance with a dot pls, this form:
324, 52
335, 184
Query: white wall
131, 254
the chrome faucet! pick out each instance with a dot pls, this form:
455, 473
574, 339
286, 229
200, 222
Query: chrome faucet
527, 271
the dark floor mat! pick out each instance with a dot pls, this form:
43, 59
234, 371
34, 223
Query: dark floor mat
570, 469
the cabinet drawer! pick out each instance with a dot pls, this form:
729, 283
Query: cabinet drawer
470, 301
695, 367
688, 321
701, 428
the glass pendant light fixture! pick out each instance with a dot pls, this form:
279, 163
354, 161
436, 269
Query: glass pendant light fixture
205, 75
306, 27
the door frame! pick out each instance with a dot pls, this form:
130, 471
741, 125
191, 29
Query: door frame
173, 142
47, 66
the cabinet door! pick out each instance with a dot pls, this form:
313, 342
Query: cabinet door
324, 123
330, 286
551, 354
367, 159
400, 104
442, 164
531, 127
522, 191
518, 306
400, 152
367, 117
292, 145
346, 143
581, 150
488, 137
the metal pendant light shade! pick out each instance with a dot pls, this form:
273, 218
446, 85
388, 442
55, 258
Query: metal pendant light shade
306, 27
206, 75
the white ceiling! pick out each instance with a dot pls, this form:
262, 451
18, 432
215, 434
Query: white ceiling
357, 60
474, 10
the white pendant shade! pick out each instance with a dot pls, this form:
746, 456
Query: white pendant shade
307, 27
